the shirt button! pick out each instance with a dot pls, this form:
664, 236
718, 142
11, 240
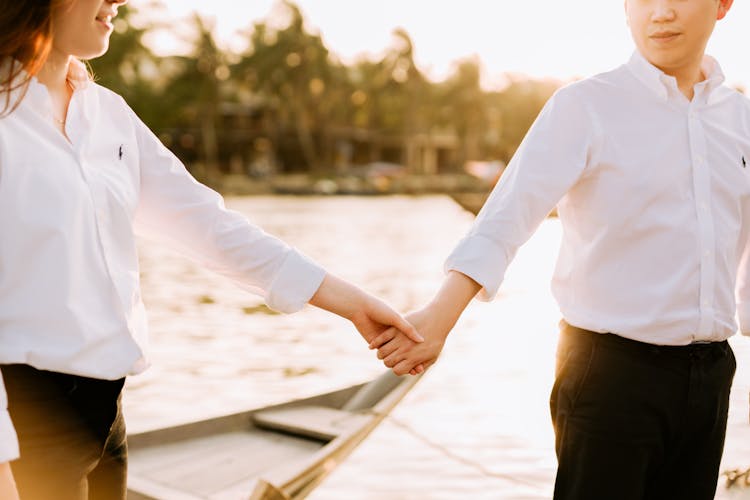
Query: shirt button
707, 253
706, 303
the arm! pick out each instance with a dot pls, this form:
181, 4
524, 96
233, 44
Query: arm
175, 208
553, 156
434, 321
191, 218
369, 315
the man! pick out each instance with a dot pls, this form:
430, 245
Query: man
647, 165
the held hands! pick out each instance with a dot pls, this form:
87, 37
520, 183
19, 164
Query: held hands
434, 322
400, 345
375, 317
370, 316
402, 354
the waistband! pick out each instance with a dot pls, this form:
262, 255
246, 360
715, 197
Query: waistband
23, 374
689, 351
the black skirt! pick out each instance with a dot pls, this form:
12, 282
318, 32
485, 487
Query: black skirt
71, 434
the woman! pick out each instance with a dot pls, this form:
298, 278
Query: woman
78, 171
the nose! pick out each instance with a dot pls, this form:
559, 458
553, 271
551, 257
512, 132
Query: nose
663, 11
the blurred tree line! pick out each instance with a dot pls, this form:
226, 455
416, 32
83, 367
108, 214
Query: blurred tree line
287, 104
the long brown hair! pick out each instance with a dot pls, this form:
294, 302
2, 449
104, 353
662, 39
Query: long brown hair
25, 43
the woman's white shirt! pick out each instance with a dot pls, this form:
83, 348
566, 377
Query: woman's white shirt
69, 282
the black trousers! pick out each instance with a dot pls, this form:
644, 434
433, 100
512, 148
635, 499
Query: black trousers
638, 421
71, 434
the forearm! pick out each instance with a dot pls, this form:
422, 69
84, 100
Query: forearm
338, 296
370, 315
450, 301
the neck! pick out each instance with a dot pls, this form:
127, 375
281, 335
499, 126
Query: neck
687, 76
54, 73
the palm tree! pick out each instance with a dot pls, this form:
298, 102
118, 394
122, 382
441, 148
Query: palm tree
292, 69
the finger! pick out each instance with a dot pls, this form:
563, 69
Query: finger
394, 358
409, 330
417, 369
383, 338
391, 317
388, 349
402, 367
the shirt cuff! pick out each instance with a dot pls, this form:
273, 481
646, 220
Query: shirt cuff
482, 260
295, 284
8, 440
743, 315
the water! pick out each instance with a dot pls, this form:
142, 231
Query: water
476, 426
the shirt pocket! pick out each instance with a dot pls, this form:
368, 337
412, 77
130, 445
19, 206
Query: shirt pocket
113, 164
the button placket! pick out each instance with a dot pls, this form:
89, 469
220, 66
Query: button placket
706, 230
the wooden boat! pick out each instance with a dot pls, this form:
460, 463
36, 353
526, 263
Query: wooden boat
279, 452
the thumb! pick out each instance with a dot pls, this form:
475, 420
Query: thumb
391, 317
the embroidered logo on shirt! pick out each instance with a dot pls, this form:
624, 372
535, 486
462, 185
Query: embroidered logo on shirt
119, 153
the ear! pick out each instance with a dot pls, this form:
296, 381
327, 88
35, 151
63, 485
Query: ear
724, 6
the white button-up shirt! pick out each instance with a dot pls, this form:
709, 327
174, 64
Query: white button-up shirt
69, 281
653, 193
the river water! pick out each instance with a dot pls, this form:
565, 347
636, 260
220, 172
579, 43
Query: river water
477, 424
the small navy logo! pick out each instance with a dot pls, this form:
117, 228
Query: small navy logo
119, 154
744, 163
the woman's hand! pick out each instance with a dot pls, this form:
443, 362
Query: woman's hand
370, 315
403, 355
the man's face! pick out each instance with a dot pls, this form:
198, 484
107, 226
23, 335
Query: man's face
672, 34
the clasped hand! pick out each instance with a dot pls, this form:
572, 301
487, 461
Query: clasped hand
402, 354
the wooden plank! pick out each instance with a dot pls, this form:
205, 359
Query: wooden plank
144, 489
316, 422
233, 422
226, 457
213, 464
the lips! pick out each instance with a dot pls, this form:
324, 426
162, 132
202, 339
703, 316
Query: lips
664, 35
105, 18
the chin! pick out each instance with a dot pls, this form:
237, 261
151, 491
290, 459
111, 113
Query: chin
662, 61
94, 52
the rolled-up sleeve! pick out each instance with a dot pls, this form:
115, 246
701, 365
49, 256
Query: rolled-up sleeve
551, 158
175, 208
8, 440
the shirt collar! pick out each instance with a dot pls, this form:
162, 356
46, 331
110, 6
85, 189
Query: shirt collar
37, 97
665, 85
37, 94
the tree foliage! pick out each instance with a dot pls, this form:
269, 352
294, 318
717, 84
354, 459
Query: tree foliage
303, 101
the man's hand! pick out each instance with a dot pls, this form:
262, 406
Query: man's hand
434, 322
403, 355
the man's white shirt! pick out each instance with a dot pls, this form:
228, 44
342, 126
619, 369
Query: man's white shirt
653, 194
69, 282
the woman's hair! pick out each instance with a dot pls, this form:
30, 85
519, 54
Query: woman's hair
25, 43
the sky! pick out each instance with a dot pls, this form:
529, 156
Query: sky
561, 39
